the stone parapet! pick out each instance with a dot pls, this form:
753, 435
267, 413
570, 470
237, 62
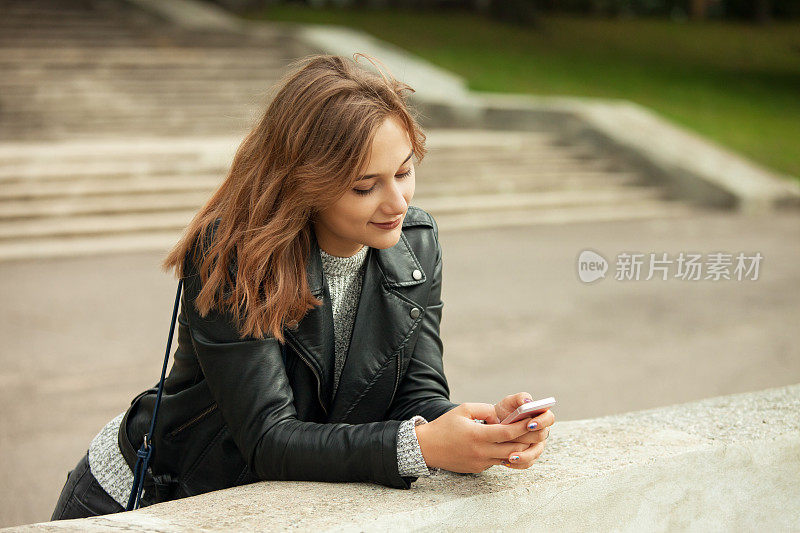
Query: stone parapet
720, 464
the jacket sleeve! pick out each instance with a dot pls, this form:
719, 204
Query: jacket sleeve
248, 380
423, 389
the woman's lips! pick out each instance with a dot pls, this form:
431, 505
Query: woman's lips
390, 225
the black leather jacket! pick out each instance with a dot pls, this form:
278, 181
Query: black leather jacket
233, 413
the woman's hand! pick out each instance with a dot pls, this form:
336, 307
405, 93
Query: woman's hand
535, 438
455, 442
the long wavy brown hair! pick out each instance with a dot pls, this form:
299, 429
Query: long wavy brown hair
306, 151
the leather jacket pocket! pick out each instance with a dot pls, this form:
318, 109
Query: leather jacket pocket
194, 420
219, 466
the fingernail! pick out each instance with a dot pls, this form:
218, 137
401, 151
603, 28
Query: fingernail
505, 463
515, 457
526, 400
532, 425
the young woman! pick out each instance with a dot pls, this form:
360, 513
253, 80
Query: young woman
308, 342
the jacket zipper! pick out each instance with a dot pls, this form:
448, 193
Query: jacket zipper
191, 421
314, 370
397, 377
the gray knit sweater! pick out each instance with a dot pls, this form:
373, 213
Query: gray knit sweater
344, 276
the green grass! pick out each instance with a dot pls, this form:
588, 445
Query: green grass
737, 84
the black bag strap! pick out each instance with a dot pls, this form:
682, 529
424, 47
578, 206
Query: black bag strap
145, 452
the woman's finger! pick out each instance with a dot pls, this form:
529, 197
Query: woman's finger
524, 459
502, 432
532, 437
503, 450
543, 420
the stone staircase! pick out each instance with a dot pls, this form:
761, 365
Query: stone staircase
112, 196
115, 127
96, 68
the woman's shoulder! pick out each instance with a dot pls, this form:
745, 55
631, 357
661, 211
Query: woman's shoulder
199, 249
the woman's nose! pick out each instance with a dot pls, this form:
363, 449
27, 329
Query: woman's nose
396, 202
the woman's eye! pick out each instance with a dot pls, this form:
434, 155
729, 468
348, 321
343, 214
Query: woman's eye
399, 176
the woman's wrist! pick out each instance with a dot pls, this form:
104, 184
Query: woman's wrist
423, 438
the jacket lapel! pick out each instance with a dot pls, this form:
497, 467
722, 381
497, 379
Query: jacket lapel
382, 325
313, 336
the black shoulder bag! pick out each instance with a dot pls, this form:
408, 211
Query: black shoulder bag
146, 450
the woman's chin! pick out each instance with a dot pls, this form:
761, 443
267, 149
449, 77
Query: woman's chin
386, 241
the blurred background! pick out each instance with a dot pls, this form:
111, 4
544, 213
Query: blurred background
553, 127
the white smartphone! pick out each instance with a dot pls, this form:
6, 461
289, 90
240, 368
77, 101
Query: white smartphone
530, 409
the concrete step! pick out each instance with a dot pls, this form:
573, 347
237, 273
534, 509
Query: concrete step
37, 189
445, 147
439, 140
75, 33
180, 200
38, 129
31, 189
119, 111
101, 165
564, 215
110, 205
47, 171
184, 57
444, 138
509, 169
137, 76
52, 41
134, 80
51, 19
143, 145
94, 225
100, 169
163, 240
444, 143
76, 222
105, 149
529, 183
85, 110
152, 105
156, 241
46, 14
152, 39
474, 203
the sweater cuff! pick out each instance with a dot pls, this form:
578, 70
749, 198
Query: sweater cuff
410, 461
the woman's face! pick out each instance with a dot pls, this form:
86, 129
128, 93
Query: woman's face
381, 195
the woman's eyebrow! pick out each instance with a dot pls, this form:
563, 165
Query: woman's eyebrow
368, 176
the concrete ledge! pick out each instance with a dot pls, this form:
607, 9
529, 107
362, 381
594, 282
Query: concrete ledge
730, 462
430, 82
691, 165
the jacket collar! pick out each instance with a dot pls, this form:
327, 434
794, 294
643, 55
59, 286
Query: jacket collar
383, 323
396, 264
